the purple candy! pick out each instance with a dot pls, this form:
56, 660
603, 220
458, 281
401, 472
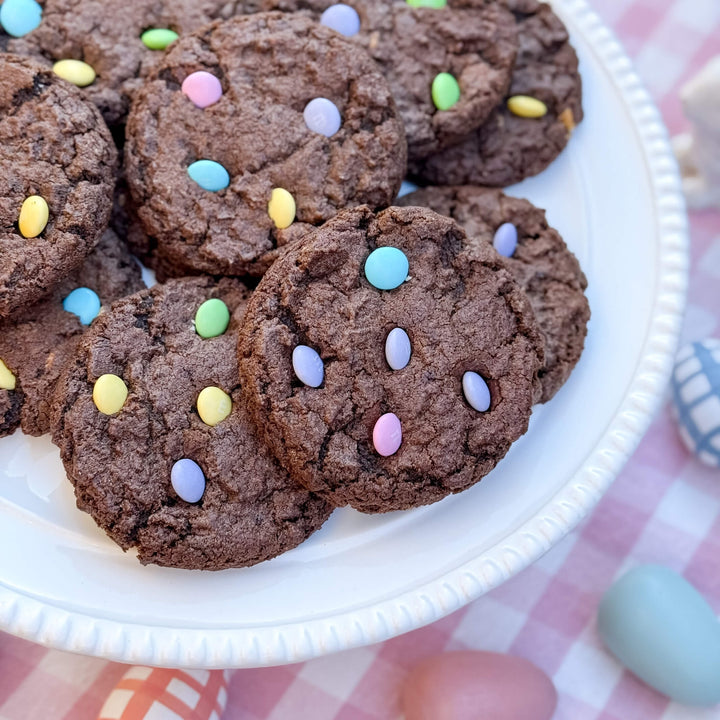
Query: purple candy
188, 480
322, 116
341, 18
308, 366
506, 239
476, 391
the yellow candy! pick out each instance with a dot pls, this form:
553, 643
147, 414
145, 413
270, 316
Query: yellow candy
213, 405
109, 394
34, 215
7, 379
76, 72
568, 119
526, 106
281, 208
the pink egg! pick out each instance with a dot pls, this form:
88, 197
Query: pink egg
387, 434
469, 685
202, 88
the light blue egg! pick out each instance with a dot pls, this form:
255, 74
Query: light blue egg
19, 17
84, 303
209, 175
663, 630
386, 268
696, 398
342, 19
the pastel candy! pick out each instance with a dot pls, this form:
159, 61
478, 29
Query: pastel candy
281, 208
84, 303
505, 239
445, 91
209, 175
202, 88
188, 480
427, 3
471, 685
7, 379
397, 349
322, 116
342, 19
308, 366
386, 268
695, 387
526, 106
212, 318
76, 72
19, 17
387, 434
33, 218
213, 405
663, 630
476, 391
109, 394
158, 38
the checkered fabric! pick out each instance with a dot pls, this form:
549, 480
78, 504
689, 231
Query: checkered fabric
146, 693
663, 508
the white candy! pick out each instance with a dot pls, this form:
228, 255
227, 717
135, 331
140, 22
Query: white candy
476, 391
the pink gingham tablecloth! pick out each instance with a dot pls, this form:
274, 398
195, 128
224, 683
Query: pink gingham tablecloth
663, 508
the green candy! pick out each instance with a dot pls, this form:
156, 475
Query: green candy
158, 38
445, 91
427, 3
212, 318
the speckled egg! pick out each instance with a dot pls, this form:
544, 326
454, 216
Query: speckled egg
660, 627
696, 398
469, 685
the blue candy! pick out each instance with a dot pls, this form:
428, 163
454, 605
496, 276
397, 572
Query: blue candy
696, 399
663, 630
342, 19
19, 17
84, 303
209, 175
387, 268
188, 480
505, 239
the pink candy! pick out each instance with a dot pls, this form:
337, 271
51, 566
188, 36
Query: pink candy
202, 88
387, 434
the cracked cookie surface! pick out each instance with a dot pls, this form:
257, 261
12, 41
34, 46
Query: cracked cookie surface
542, 265
36, 343
54, 144
475, 41
507, 148
121, 464
462, 312
107, 36
270, 66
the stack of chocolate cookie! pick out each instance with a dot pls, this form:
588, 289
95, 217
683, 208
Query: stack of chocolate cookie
311, 345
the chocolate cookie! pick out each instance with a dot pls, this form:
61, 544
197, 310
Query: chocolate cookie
474, 42
297, 123
109, 37
320, 340
541, 264
37, 343
509, 147
57, 164
174, 468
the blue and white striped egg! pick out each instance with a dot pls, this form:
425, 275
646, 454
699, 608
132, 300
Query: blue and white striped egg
696, 398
